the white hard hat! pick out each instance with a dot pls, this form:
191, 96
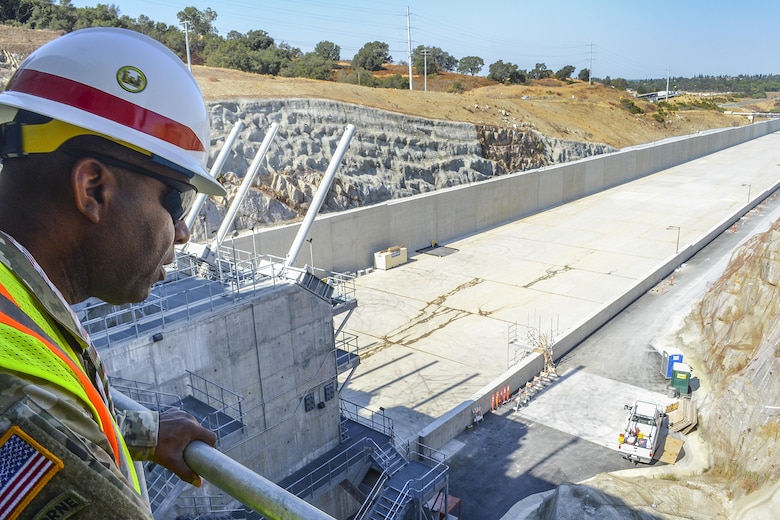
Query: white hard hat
121, 85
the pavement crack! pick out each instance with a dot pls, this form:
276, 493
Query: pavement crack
551, 272
462, 287
434, 313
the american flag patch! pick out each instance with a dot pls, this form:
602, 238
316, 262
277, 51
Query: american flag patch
25, 467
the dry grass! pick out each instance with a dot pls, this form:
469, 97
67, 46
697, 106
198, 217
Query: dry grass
576, 110
23, 41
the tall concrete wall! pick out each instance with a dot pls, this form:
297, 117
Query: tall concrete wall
272, 349
346, 241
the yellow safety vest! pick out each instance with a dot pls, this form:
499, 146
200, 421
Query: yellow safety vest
30, 344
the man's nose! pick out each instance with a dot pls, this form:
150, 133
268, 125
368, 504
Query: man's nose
181, 232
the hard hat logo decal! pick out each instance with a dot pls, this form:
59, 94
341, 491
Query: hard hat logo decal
131, 79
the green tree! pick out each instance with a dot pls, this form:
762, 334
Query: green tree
584, 75
470, 65
565, 72
102, 15
360, 77
540, 72
15, 12
620, 83
257, 39
437, 60
328, 50
506, 73
372, 56
311, 65
288, 52
395, 81
201, 22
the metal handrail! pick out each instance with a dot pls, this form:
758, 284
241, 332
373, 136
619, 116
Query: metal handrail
248, 487
377, 421
336, 465
425, 482
372, 496
238, 481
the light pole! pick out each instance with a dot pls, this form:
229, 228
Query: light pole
186, 25
311, 254
677, 249
425, 68
748, 187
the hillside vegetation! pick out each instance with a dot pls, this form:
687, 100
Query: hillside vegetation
567, 110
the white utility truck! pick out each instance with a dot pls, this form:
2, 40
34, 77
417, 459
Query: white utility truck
639, 441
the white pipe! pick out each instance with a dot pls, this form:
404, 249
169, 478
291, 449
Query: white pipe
319, 197
215, 169
245, 185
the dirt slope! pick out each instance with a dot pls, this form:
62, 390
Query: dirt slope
576, 111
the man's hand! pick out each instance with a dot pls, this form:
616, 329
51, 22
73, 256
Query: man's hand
177, 429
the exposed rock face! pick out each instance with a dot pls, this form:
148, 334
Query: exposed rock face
391, 155
516, 150
733, 333
609, 497
735, 330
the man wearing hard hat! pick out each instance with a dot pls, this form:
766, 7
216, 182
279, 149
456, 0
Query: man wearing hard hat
104, 137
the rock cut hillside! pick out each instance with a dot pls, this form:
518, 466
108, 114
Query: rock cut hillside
411, 142
391, 155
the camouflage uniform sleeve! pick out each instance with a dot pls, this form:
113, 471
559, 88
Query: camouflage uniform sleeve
85, 482
139, 429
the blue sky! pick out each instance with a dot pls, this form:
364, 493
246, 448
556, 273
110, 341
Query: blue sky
632, 40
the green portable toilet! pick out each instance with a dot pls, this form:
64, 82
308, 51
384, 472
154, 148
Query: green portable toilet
681, 378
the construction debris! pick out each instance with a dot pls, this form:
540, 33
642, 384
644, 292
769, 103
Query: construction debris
683, 416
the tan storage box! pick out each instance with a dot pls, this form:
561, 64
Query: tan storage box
390, 257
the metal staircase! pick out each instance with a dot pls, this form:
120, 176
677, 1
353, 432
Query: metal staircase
215, 407
403, 484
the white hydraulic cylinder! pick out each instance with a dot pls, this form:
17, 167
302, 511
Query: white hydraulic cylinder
319, 197
245, 185
215, 169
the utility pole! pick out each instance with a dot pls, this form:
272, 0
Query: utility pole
425, 67
590, 69
668, 72
409, 40
186, 24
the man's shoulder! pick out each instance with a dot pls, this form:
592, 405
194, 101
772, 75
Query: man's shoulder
75, 475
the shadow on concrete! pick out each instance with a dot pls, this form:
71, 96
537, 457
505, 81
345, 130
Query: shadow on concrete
505, 459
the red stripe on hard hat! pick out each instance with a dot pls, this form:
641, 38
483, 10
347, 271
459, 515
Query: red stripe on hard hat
108, 106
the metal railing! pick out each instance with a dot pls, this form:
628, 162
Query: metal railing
372, 496
375, 420
210, 506
224, 401
145, 394
346, 347
331, 471
419, 487
249, 488
233, 275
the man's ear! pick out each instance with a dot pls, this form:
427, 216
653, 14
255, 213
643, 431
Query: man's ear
93, 185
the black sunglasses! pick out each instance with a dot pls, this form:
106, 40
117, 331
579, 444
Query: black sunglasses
178, 201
